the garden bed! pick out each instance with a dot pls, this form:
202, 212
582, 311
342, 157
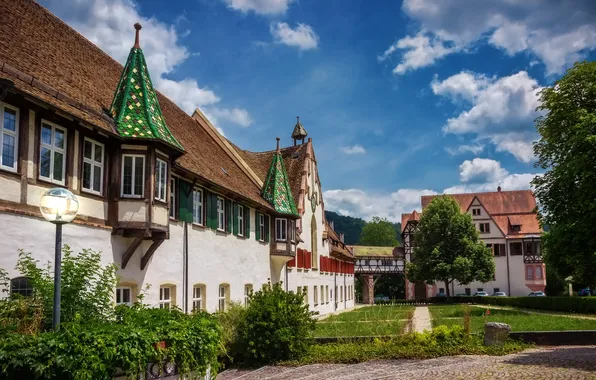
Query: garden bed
366, 321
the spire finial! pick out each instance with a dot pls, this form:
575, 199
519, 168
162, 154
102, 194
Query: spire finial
297, 119
138, 29
277, 138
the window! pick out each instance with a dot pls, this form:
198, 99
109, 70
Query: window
281, 229
322, 294
441, 290
124, 296
315, 295
529, 248
367, 262
293, 232
21, 285
326, 293
52, 155
516, 228
221, 214
529, 273
198, 294
484, 228
197, 206
173, 198
480, 289
223, 297
92, 166
247, 293
496, 290
475, 211
161, 179
165, 297
386, 262
240, 220
499, 249
262, 227
538, 274
314, 240
468, 291
515, 249
9, 129
133, 175
306, 295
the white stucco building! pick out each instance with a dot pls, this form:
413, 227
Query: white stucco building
508, 225
162, 194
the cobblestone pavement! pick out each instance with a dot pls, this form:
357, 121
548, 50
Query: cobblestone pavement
569, 362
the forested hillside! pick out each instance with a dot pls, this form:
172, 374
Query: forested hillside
352, 227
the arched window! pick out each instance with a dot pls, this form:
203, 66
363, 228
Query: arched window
314, 242
21, 285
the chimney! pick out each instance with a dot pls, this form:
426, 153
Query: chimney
332, 225
341, 237
499, 188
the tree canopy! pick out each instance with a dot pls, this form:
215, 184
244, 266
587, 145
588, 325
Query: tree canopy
567, 190
447, 247
379, 233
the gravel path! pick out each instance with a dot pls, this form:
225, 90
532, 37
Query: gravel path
570, 362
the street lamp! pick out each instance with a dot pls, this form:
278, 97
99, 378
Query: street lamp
58, 206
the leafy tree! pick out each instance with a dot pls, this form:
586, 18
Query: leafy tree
567, 190
379, 233
448, 247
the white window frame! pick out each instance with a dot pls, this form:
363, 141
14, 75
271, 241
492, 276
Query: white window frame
316, 296
120, 290
14, 134
53, 149
241, 226
322, 294
292, 231
221, 298
161, 180
326, 293
221, 214
197, 299
197, 207
281, 229
262, 227
247, 293
132, 180
165, 302
172, 212
91, 161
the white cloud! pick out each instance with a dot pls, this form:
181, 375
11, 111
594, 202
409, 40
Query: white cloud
535, 27
363, 204
235, 115
466, 148
354, 149
501, 110
109, 24
264, 7
303, 36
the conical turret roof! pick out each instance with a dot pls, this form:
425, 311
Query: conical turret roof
276, 189
135, 108
299, 131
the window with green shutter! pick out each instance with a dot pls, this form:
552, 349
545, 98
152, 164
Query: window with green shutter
211, 212
235, 218
228, 214
267, 228
257, 225
185, 201
247, 222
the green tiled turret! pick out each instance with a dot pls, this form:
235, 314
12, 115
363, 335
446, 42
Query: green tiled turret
135, 108
277, 187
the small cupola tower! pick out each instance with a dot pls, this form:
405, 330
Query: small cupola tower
299, 132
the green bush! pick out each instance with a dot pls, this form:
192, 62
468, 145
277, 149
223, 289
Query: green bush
277, 326
230, 322
96, 350
583, 305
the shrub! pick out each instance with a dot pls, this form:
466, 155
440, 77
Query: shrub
230, 322
584, 305
277, 326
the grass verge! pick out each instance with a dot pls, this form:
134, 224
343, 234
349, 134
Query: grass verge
366, 321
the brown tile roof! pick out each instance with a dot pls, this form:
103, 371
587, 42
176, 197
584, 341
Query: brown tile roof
80, 79
528, 222
336, 245
405, 218
495, 203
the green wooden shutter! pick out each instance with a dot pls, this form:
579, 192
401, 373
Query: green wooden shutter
257, 225
210, 210
247, 222
235, 218
228, 215
184, 201
267, 228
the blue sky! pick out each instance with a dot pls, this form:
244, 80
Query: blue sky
401, 98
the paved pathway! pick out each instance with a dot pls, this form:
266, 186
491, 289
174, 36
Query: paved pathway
537, 364
421, 320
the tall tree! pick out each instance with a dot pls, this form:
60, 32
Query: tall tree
447, 247
567, 190
379, 233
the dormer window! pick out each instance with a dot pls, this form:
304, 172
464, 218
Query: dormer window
281, 229
161, 179
475, 211
133, 175
516, 228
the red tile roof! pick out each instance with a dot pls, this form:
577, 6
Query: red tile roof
497, 202
58, 66
405, 218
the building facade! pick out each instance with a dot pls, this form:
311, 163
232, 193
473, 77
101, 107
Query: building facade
508, 225
162, 194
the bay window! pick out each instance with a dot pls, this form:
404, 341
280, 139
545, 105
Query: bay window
52, 153
281, 229
9, 133
93, 166
161, 179
133, 175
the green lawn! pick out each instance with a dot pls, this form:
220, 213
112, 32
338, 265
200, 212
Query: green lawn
517, 319
366, 321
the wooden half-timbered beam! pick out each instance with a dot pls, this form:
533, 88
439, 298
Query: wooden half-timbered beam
145, 259
131, 250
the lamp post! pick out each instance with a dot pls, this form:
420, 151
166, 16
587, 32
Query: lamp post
58, 206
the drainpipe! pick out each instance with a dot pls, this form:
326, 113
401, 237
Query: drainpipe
345, 293
508, 277
185, 267
335, 290
286, 270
